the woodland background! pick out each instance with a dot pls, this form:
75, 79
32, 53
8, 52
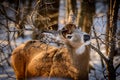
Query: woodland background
23, 20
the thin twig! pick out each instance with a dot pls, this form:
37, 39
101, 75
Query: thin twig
100, 53
117, 67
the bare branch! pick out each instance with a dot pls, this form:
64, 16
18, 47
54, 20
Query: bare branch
100, 53
117, 66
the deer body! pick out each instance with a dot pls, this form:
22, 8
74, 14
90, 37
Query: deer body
37, 59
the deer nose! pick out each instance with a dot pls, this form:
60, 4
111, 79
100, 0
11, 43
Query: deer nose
86, 37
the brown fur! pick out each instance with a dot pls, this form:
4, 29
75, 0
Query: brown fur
36, 59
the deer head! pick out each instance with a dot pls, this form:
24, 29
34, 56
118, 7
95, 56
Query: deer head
74, 38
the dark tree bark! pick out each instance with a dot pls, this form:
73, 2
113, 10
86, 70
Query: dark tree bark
74, 7
86, 15
70, 8
113, 12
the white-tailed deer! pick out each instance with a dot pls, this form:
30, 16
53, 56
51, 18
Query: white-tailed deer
37, 59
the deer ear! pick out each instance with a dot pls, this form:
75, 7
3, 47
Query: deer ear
71, 17
77, 27
80, 28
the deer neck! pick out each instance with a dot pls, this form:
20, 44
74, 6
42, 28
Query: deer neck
80, 61
79, 54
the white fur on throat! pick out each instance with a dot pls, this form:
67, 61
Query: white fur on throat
80, 50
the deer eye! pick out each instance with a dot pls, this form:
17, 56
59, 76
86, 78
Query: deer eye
69, 36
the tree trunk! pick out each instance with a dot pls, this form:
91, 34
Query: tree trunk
114, 6
86, 15
70, 7
74, 7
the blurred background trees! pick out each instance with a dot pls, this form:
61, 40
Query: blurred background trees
19, 16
